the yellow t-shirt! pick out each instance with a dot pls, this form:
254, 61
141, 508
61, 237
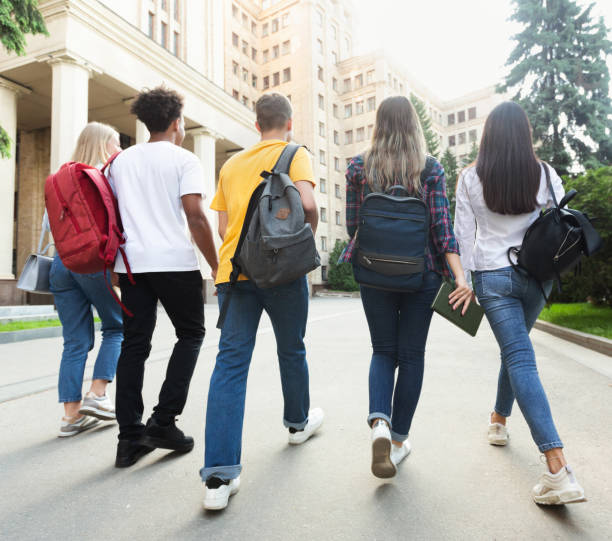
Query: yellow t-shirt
238, 178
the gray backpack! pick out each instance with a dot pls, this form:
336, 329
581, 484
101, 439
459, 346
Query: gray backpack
276, 246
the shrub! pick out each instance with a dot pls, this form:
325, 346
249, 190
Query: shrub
340, 275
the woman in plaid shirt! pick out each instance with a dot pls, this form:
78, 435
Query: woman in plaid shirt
399, 321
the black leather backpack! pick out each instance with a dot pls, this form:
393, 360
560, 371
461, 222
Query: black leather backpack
556, 241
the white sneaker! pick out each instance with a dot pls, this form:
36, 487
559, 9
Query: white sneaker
216, 499
400, 453
497, 433
558, 488
382, 465
100, 407
315, 420
71, 426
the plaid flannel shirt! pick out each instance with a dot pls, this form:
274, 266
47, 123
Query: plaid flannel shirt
441, 239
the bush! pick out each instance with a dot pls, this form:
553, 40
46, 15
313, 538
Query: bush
594, 197
340, 276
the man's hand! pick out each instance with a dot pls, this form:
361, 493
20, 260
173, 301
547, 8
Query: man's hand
200, 229
311, 214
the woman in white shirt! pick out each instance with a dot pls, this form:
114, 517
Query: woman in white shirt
498, 198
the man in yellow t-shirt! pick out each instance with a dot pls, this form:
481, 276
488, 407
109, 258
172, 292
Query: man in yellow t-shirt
286, 305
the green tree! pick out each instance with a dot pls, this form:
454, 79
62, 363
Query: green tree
340, 275
558, 73
17, 18
472, 156
431, 139
451, 171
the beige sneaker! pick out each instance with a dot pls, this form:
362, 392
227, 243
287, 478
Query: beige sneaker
558, 488
100, 407
497, 433
71, 426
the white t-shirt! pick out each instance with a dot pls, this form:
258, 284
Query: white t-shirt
484, 236
149, 180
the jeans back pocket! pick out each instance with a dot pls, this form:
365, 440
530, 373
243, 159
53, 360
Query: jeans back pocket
497, 283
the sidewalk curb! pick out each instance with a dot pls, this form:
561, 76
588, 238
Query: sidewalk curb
34, 334
590, 341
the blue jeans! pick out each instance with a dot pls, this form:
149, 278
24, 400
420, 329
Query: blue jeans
74, 296
399, 323
287, 307
512, 302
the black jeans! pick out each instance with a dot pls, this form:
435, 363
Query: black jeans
180, 293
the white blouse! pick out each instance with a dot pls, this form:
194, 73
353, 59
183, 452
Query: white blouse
484, 236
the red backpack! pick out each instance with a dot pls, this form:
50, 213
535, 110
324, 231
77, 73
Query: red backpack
84, 219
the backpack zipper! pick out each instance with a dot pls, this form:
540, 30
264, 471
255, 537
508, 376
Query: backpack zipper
369, 260
65, 207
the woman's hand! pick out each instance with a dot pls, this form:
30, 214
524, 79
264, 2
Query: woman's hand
462, 294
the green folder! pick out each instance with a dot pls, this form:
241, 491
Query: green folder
468, 322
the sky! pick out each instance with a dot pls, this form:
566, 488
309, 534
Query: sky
451, 46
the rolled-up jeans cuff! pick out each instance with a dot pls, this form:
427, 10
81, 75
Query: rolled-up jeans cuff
76, 398
502, 413
225, 473
378, 415
297, 426
398, 437
543, 447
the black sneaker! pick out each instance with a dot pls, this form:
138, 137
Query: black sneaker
166, 437
129, 452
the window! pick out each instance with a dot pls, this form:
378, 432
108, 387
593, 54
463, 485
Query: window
274, 25
235, 68
286, 75
320, 73
245, 48
451, 119
254, 81
286, 47
336, 137
177, 13
164, 35
451, 141
321, 102
322, 157
473, 136
235, 94
275, 51
348, 137
324, 273
320, 46
370, 77
254, 28
472, 113
359, 81
334, 31
264, 30
335, 84
335, 111
234, 11
348, 160
323, 214
324, 244
460, 117
288, 96
360, 134
266, 82
151, 25
390, 79
322, 129
319, 18
285, 20
245, 20
276, 79
370, 130
254, 54
334, 57
371, 104
462, 138
266, 55
337, 164
337, 191
348, 110
164, 5
359, 107
245, 75
401, 88
175, 43
347, 85
322, 185
253, 105
235, 40
395, 83
347, 46
338, 218
245, 101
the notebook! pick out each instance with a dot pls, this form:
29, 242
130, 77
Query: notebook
468, 322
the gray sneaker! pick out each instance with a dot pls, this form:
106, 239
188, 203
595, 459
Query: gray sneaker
72, 427
100, 407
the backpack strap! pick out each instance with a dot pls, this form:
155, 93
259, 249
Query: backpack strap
283, 164
549, 184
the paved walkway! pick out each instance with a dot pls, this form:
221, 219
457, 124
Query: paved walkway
453, 486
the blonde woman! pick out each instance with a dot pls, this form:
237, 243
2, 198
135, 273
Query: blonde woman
399, 321
75, 295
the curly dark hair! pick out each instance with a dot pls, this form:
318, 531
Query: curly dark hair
157, 108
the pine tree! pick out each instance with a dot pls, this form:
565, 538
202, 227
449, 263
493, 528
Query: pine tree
472, 156
17, 18
451, 170
431, 139
559, 75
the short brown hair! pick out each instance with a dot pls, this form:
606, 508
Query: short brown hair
273, 111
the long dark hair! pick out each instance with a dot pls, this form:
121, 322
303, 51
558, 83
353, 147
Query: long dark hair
507, 164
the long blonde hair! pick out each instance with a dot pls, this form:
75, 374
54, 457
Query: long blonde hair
397, 152
92, 145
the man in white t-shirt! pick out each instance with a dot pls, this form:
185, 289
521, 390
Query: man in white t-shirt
159, 189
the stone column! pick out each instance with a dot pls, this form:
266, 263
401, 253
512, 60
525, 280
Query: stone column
204, 142
8, 120
142, 134
69, 107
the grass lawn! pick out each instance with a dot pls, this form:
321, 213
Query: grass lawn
25, 325
582, 317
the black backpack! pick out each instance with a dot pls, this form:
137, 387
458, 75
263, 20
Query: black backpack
556, 241
392, 239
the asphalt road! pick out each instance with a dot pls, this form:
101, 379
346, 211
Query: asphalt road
453, 485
